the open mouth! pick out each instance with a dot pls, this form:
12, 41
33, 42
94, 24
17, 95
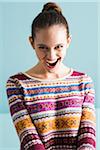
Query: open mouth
53, 64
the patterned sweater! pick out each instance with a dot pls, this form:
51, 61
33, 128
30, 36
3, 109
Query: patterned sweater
55, 114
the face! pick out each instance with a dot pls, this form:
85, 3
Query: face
50, 45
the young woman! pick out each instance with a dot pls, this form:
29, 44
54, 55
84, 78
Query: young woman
52, 105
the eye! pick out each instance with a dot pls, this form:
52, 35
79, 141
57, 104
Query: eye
43, 47
59, 46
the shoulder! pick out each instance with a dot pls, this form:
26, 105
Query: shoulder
77, 73
16, 80
17, 76
82, 75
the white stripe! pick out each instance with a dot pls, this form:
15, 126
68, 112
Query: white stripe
30, 143
14, 102
71, 109
21, 118
57, 130
86, 147
54, 100
86, 124
88, 105
56, 95
86, 135
52, 135
28, 131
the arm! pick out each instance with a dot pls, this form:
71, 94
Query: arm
87, 129
29, 138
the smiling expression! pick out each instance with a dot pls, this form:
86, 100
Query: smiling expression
50, 45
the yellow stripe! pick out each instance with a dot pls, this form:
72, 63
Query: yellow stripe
59, 123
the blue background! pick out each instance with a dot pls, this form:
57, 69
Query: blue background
17, 55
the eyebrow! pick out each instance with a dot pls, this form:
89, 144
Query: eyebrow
47, 46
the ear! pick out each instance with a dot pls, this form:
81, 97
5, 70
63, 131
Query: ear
31, 42
69, 38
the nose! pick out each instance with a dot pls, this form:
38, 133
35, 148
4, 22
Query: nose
51, 55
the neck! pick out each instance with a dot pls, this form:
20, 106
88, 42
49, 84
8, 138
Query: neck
63, 70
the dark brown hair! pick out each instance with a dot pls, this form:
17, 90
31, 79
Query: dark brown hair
51, 15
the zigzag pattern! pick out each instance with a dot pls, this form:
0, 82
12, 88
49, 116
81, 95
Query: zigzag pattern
56, 115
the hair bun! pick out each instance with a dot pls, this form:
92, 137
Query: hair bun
52, 6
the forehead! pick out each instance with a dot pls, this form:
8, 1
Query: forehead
55, 33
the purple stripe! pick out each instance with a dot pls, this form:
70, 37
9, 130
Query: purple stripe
44, 106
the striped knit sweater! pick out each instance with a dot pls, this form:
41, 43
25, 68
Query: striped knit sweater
55, 114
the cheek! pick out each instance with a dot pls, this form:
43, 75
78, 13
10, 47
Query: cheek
63, 53
41, 55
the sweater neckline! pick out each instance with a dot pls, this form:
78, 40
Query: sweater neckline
56, 79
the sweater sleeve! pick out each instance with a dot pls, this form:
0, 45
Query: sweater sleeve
28, 135
87, 129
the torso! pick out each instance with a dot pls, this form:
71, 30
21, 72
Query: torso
55, 108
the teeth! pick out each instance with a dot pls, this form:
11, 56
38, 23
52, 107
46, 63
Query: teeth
51, 61
48, 64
